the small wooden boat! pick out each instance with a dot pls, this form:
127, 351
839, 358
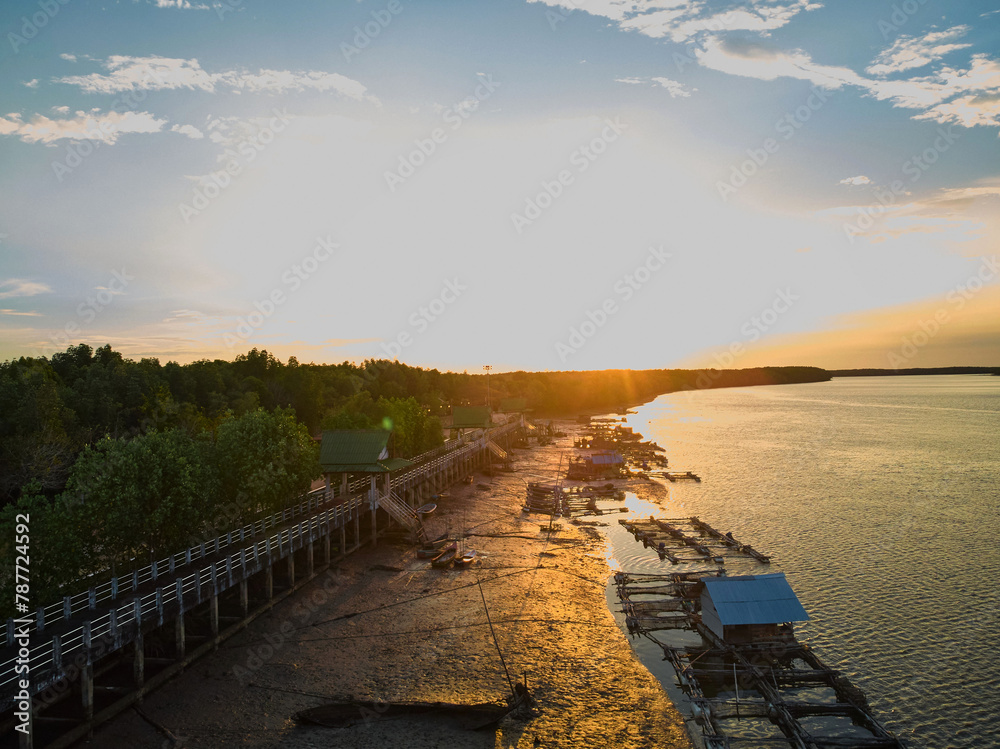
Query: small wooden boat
426, 509
432, 548
467, 558
446, 556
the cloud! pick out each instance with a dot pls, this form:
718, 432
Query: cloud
182, 4
33, 83
67, 56
674, 88
20, 314
189, 130
94, 125
684, 19
909, 52
859, 180
966, 97
755, 60
18, 287
166, 73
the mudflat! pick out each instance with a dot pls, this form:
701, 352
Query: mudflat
382, 625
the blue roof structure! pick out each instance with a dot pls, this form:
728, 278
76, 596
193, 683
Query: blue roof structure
754, 599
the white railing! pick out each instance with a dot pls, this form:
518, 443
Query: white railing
43, 656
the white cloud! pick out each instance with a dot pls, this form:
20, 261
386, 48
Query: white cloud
33, 83
909, 52
685, 19
182, 4
18, 287
94, 125
189, 130
62, 109
674, 88
166, 73
859, 180
964, 97
967, 111
14, 312
755, 60
67, 56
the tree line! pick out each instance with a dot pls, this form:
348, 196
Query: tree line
118, 462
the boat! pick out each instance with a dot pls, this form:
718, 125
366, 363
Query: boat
446, 556
466, 558
432, 548
426, 509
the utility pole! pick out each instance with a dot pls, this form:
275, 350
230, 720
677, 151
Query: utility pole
489, 403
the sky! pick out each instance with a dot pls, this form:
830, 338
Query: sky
529, 184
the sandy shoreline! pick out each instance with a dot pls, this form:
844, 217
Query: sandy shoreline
420, 634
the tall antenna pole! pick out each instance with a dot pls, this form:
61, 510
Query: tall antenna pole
489, 402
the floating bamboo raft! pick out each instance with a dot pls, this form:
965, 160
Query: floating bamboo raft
669, 538
782, 681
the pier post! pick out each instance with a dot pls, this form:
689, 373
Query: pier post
180, 643
180, 638
357, 528
342, 552
309, 558
139, 661
326, 544
244, 597
269, 581
291, 568
213, 613
87, 677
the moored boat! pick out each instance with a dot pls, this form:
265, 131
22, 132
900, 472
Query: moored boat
446, 556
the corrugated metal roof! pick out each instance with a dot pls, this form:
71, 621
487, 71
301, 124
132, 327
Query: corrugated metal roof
754, 599
354, 450
470, 417
606, 457
394, 464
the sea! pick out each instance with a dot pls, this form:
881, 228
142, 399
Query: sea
879, 498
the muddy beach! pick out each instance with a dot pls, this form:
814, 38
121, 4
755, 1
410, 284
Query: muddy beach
382, 625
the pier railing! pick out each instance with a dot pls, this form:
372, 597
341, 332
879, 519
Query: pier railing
98, 613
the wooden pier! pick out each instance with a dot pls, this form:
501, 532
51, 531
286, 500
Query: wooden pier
781, 682
98, 652
668, 538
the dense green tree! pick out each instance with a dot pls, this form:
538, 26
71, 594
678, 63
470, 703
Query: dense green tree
264, 461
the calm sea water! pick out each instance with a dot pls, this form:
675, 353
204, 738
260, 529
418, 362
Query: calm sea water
880, 499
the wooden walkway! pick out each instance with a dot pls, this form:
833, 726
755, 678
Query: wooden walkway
67, 645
